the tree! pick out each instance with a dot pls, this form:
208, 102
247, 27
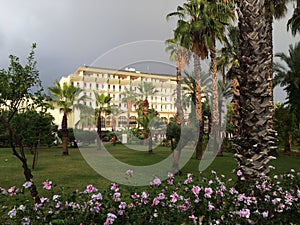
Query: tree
129, 96
103, 106
181, 56
147, 89
288, 76
146, 116
190, 33
16, 94
65, 96
255, 139
35, 128
285, 123
216, 16
294, 21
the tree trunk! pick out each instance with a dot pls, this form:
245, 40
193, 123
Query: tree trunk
178, 96
255, 138
288, 142
64, 134
215, 103
269, 27
99, 131
198, 105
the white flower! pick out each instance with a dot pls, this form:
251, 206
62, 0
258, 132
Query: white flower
27, 184
12, 213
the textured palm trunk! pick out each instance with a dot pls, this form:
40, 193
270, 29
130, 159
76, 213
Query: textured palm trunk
99, 131
198, 106
178, 96
269, 30
64, 134
235, 87
215, 102
255, 138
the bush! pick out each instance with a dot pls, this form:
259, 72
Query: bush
212, 200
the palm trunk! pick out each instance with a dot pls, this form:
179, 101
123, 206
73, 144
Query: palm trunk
255, 138
269, 24
99, 131
178, 96
215, 102
235, 87
198, 105
64, 134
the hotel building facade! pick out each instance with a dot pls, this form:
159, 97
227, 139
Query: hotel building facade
114, 83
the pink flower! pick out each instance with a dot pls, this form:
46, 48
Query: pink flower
265, 214
90, 188
114, 187
194, 218
210, 206
239, 173
196, 190
47, 184
12, 213
244, 213
135, 196
155, 201
12, 190
174, 197
161, 196
189, 179
208, 192
156, 182
110, 219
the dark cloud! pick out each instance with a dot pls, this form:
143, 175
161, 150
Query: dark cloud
71, 33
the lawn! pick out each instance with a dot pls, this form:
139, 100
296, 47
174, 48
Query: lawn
71, 172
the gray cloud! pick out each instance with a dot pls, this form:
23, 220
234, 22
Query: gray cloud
71, 33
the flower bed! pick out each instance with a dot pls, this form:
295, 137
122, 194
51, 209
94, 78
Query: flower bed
213, 200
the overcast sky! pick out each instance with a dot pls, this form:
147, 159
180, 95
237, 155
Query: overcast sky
71, 33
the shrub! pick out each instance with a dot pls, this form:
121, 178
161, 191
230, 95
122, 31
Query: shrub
212, 200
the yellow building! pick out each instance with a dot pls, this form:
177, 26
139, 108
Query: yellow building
114, 82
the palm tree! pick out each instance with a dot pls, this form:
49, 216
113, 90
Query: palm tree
87, 117
294, 21
181, 56
228, 63
189, 31
115, 112
129, 96
65, 97
102, 106
289, 76
255, 138
147, 89
216, 16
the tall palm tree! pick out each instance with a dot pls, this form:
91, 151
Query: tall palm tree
181, 56
289, 76
65, 97
255, 138
216, 16
228, 63
129, 96
190, 32
102, 106
294, 21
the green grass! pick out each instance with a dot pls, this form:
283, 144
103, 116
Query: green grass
73, 172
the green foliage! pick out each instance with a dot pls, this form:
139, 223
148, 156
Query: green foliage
285, 123
34, 128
